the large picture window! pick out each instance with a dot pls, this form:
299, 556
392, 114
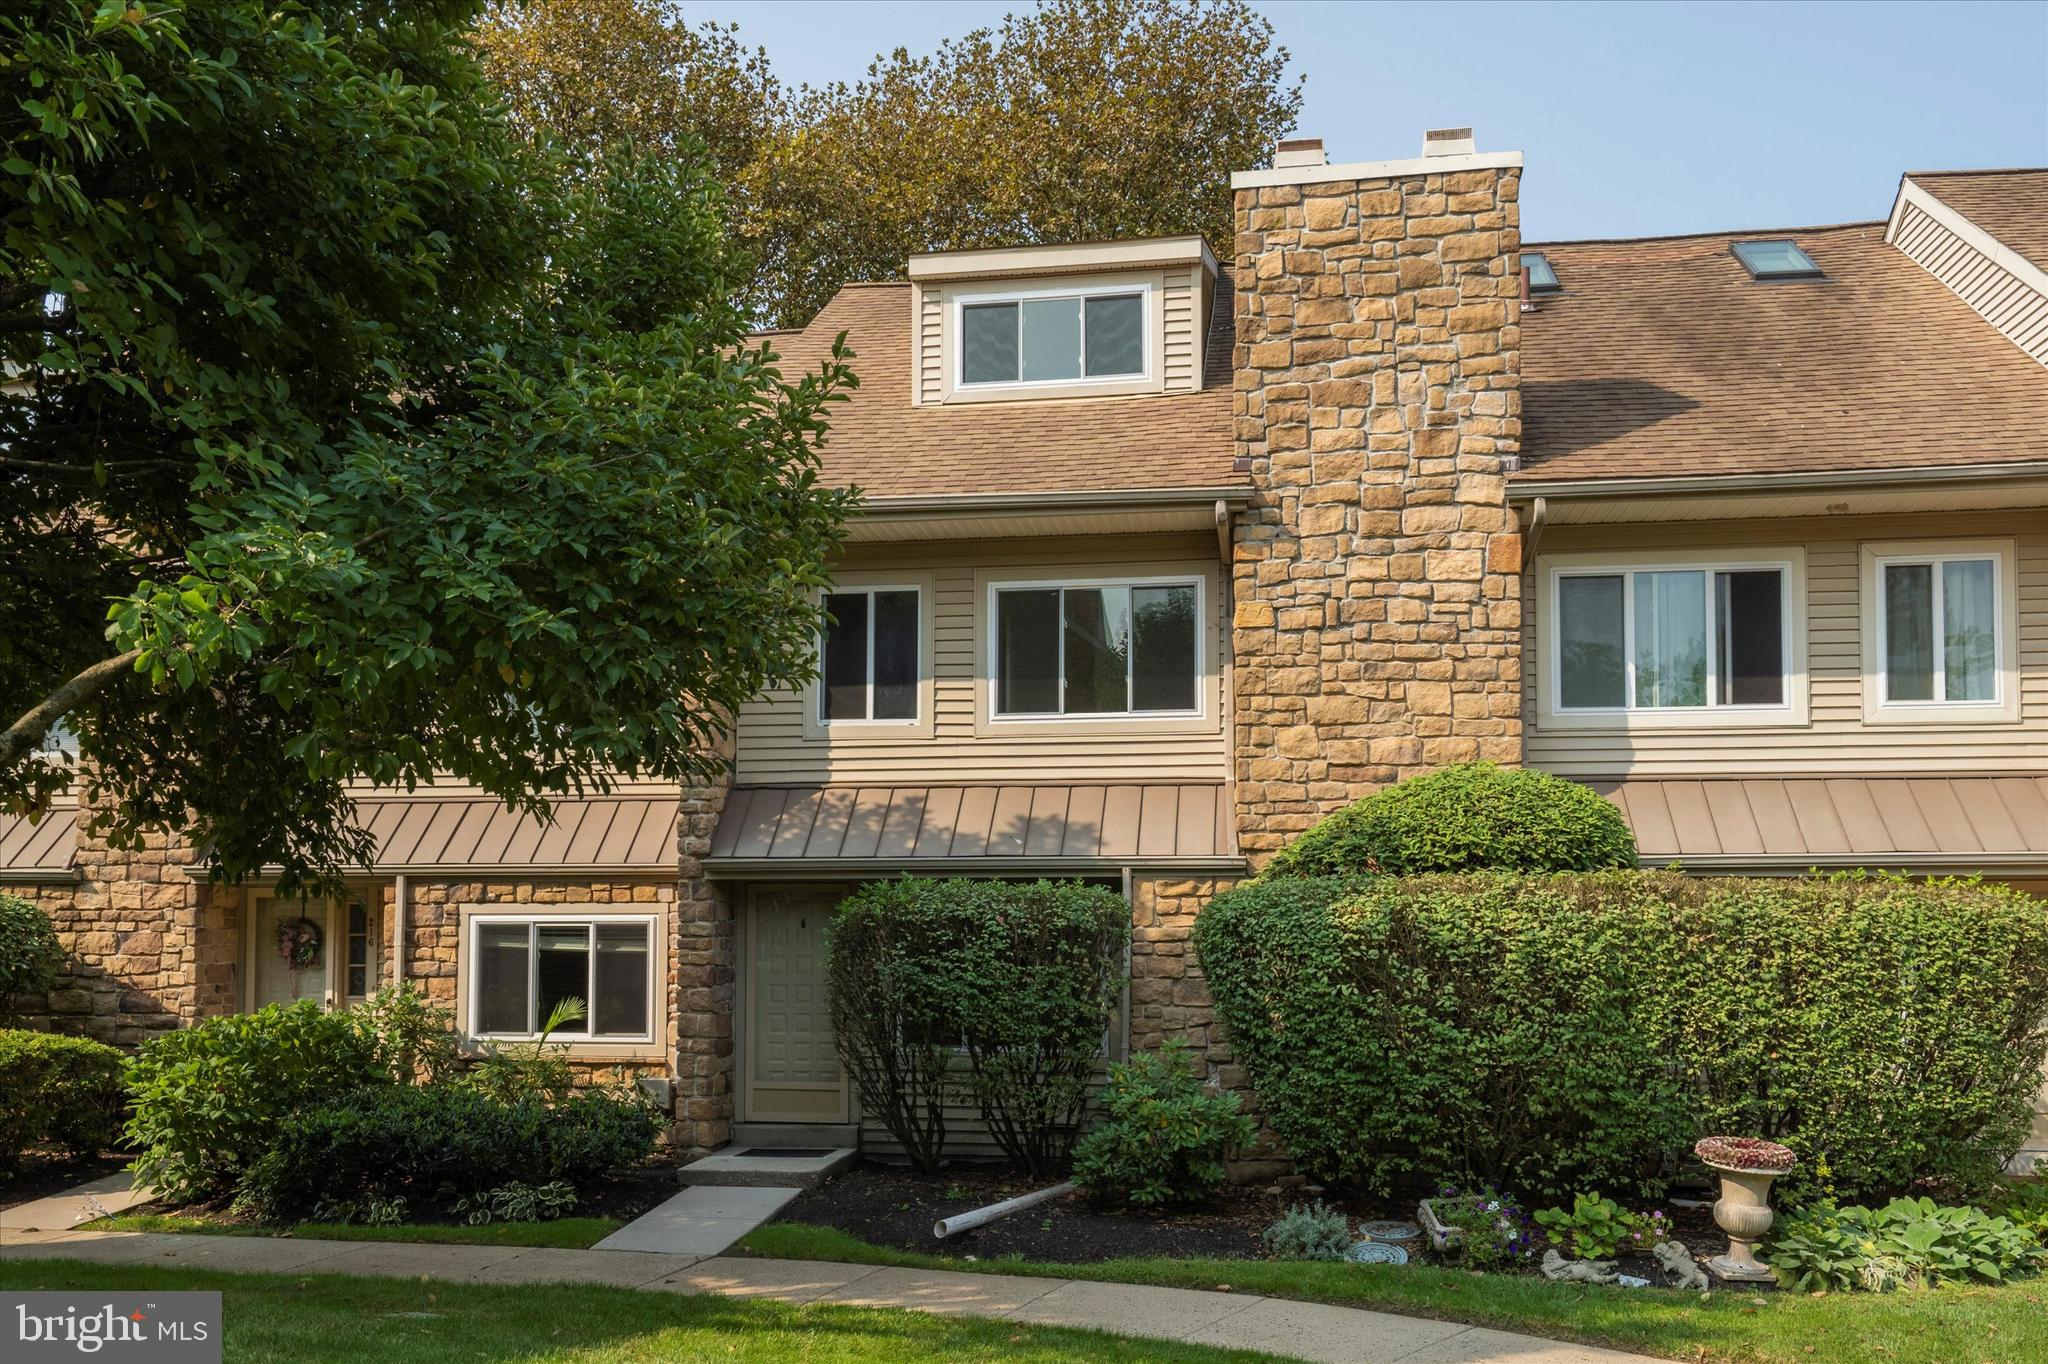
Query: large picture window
1053, 339
868, 655
522, 966
1128, 648
1671, 638
1938, 634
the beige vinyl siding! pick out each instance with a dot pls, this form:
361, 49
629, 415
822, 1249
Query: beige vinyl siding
1836, 738
930, 322
2006, 302
1180, 349
773, 749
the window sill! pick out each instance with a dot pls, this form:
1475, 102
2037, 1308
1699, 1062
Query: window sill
640, 1051
1667, 722
1942, 716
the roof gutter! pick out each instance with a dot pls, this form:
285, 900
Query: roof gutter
1526, 490
1910, 864
954, 504
812, 868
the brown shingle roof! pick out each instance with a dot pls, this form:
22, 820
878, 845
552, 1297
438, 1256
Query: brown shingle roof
886, 446
1662, 358
2012, 205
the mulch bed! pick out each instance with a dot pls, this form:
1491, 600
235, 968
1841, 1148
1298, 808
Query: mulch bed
39, 1176
895, 1207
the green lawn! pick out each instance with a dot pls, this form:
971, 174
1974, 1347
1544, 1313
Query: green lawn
1946, 1326
574, 1233
333, 1319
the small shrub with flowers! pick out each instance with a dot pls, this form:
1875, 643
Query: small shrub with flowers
1598, 1228
1494, 1231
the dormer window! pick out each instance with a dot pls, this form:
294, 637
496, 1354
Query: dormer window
1056, 336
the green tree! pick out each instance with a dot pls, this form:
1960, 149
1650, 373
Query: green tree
345, 435
1077, 121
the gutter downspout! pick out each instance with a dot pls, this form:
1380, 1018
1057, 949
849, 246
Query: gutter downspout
1539, 515
399, 899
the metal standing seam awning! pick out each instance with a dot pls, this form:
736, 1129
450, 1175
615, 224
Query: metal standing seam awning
39, 851
969, 829
1993, 824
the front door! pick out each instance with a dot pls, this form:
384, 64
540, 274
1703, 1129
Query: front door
301, 949
790, 1070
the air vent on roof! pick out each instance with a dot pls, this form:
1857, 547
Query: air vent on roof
1775, 259
1448, 142
1299, 151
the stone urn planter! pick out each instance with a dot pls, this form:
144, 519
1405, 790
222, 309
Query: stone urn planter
1746, 1165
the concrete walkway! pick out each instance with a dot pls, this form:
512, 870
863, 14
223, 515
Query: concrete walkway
701, 1220
1308, 1331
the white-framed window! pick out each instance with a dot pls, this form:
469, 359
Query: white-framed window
1939, 620
356, 930
1674, 638
868, 655
521, 966
1117, 647
1065, 335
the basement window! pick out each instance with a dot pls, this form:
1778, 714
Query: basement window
1778, 259
1542, 278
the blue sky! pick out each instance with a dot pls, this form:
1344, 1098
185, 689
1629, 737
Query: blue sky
1636, 119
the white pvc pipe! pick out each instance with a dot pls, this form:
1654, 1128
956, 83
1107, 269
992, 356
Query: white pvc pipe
981, 1217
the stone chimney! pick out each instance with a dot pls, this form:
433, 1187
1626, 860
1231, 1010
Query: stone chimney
1376, 576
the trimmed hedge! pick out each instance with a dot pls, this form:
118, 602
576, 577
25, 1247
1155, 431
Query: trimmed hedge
1573, 1031
1471, 817
57, 1094
441, 1142
1023, 976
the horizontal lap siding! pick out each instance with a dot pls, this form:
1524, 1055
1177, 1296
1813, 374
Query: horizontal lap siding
2016, 309
1836, 739
1181, 344
773, 748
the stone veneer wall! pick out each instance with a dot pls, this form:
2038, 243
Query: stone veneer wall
706, 946
1376, 574
433, 937
147, 948
1170, 998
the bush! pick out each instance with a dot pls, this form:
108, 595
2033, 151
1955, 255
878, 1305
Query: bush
1908, 1243
1467, 818
415, 1038
209, 1100
1570, 1032
1309, 1232
57, 1094
441, 1143
1165, 1135
1021, 977
1598, 1228
29, 954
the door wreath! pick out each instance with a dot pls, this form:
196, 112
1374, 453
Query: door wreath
298, 943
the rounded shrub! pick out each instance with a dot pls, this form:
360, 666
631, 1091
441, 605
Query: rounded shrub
1471, 817
207, 1101
57, 1094
1560, 1033
30, 956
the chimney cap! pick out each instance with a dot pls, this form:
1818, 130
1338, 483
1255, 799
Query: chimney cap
1448, 142
1299, 151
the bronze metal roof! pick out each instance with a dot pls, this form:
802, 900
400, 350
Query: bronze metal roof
468, 832
1932, 823
40, 850
1663, 359
969, 828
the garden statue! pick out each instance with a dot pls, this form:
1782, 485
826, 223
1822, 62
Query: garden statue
1561, 1270
1679, 1269
1747, 1165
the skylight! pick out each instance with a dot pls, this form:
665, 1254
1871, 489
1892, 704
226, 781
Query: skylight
1542, 278
1776, 260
